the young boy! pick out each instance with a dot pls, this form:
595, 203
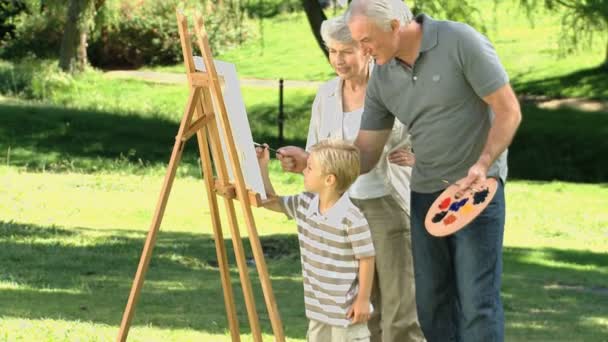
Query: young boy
336, 248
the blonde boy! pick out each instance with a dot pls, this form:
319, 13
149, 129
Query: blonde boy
336, 248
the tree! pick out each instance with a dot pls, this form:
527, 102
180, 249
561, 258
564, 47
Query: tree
315, 15
582, 20
8, 10
73, 52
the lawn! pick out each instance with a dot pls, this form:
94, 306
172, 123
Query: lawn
81, 175
530, 53
81, 169
70, 243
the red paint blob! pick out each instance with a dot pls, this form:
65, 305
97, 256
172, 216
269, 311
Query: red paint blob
449, 220
445, 203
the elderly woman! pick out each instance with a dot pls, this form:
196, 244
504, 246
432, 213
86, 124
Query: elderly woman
382, 194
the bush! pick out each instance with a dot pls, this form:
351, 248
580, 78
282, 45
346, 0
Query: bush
36, 31
34, 79
123, 33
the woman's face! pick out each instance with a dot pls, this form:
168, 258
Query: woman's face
347, 60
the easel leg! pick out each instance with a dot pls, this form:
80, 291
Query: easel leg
256, 246
146, 254
220, 248
237, 243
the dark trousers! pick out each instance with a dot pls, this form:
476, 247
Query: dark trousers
458, 277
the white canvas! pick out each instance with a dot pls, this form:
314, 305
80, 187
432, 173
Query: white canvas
239, 123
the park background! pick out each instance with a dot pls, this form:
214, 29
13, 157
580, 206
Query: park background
89, 109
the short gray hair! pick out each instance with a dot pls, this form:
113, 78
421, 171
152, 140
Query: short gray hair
381, 12
336, 30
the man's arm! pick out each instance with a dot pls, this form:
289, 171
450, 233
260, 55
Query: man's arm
507, 118
370, 144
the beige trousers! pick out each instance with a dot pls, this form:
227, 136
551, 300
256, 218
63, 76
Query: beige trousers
321, 332
393, 293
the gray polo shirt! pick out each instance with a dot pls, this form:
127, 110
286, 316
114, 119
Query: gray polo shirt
440, 100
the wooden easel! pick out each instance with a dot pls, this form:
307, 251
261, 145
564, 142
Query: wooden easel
200, 119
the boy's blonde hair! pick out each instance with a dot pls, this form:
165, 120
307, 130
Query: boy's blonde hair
339, 158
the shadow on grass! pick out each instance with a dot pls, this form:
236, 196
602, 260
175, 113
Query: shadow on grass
555, 295
57, 139
562, 144
84, 274
591, 83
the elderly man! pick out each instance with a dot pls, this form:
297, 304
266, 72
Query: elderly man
444, 81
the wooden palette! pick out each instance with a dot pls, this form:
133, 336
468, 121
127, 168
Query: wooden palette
449, 214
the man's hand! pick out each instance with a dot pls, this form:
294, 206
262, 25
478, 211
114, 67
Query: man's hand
402, 157
359, 312
292, 158
477, 175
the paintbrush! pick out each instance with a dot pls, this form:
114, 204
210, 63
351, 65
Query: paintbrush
471, 188
269, 148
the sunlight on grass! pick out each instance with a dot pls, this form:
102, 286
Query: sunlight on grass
83, 234
16, 329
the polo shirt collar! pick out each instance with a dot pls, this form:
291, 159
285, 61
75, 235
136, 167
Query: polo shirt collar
429, 35
429, 32
338, 210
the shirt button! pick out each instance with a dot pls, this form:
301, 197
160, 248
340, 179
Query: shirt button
415, 78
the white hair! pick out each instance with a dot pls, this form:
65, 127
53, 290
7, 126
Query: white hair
381, 12
336, 30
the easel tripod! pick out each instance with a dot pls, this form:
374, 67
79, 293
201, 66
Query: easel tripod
200, 119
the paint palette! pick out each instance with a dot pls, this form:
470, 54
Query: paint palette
449, 214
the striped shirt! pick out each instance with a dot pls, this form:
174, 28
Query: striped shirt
331, 245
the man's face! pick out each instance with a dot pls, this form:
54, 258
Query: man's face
380, 44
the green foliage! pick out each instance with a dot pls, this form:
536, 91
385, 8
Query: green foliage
123, 33
457, 10
32, 78
8, 10
38, 30
270, 8
134, 34
582, 21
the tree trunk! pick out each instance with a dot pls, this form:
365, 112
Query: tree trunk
315, 16
72, 56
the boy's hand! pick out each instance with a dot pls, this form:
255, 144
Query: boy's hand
263, 155
359, 312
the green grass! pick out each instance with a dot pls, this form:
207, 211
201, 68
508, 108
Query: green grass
129, 126
106, 124
80, 173
530, 54
70, 244
286, 49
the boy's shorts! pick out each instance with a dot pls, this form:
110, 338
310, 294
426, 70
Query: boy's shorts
321, 332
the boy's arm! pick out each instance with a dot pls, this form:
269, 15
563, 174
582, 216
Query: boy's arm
360, 236
360, 311
366, 277
274, 205
277, 204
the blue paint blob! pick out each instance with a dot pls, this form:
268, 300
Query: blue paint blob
457, 205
